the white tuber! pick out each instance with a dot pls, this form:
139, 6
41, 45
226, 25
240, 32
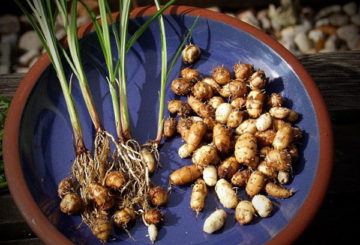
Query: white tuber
210, 175
215, 221
152, 232
262, 205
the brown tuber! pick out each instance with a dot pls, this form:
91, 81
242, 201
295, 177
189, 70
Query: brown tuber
190, 54
101, 227
254, 103
205, 155
71, 204
221, 75
65, 186
257, 80
190, 74
202, 91
222, 138
275, 100
169, 127
193, 139
115, 180
185, 175
244, 212
255, 183
181, 86
123, 217
203, 110
102, 196
228, 168
277, 191
158, 196
149, 160
278, 159
243, 71
179, 107
246, 149
240, 178
154, 216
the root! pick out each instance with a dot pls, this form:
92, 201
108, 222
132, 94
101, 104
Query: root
101, 154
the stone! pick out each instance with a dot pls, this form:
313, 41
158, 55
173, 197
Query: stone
303, 42
29, 41
263, 19
248, 17
305, 26
284, 15
315, 35
287, 32
25, 59
289, 44
214, 8
322, 22
307, 12
22, 69
9, 24
328, 11
338, 19
82, 20
10, 39
331, 43
355, 19
4, 68
328, 30
350, 8
350, 34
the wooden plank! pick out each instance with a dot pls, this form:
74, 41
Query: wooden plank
29, 241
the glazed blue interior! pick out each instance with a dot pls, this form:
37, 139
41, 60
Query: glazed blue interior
46, 148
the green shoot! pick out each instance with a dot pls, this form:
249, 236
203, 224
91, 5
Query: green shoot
75, 61
164, 72
46, 33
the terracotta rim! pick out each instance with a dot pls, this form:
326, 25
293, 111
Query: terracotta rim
50, 235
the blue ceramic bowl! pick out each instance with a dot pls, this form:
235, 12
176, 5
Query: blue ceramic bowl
43, 152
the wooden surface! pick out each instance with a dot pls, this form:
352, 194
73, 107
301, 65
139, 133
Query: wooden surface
338, 77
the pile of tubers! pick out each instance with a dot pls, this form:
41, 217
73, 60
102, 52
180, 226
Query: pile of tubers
237, 136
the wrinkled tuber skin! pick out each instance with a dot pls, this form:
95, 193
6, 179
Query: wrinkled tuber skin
181, 86
254, 103
265, 138
221, 75
238, 103
185, 175
294, 153
284, 113
255, 183
202, 91
263, 122
240, 178
277, 191
228, 168
227, 196
210, 175
169, 127
183, 126
123, 217
205, 155
115, 180
65, 186
215, 101
275, 100
222, 112
215, 221
190, 74
193, 139
278, 159
190, 54
179, 107
266, 170
235, 119
154, 216
237, 88
244, 212
283, 177
101, 227
201, 109
101, 196
71, 204
247, 126
283, 138
257, 80
198, 195
158, 196
149, 160
210, 81
222, 138
245, 148
262, 205
243, 71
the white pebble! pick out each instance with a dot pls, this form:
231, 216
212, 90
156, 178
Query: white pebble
262, 205
303, 42
30, 41
328, 10
350, 8
27, 57
248, 17
316, 35
322, 22
338, 19
331, 43
350, 34
215, 221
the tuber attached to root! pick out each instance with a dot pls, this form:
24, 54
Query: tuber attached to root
154, 216
123, 217
148, 159
158, 196
71, 204
115, 180
198, 195
101, 196
185, 175
101, 226
65, 186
